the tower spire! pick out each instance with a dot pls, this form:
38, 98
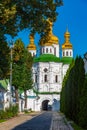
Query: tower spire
67, 28
31, 46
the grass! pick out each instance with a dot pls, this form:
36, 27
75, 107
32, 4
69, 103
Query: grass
2, 120
76, 127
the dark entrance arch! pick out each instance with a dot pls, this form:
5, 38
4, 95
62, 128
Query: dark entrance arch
45, 105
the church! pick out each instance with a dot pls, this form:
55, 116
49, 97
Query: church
49, 69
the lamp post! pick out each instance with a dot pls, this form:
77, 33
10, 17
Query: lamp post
11, 58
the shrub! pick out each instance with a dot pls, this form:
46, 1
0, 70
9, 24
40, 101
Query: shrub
9, 112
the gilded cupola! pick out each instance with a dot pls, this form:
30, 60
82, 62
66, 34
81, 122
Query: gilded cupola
31, 46
67, 44
49, 39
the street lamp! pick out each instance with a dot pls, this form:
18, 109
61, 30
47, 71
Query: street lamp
11, 58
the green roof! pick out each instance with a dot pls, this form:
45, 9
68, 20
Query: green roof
4, 83
47, 58
66, 60
52, 58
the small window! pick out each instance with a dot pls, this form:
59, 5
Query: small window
35, 78
66, 53
43, 50
63, 53
50, 50
46, 50
54, 51
56, 78
70, 53
45, 78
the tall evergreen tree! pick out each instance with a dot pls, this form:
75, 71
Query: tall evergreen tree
18, 52
26, 75
63, 95
83, 106
74, 93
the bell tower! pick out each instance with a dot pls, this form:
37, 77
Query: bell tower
32, 47
67, 49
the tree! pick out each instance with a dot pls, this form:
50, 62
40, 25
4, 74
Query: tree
74, 93
83, 106
4, 60
16, 15
22, 73
25, 14
26, 75
64, 91
18, 51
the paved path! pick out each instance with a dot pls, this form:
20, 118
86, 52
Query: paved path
11, 123
59, 122
41, 122
45, 121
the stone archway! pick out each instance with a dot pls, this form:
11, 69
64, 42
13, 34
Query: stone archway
45, 105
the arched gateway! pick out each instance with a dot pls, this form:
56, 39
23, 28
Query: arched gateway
46, 106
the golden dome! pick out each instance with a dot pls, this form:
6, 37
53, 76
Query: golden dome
31, 46
67, 44
49, 39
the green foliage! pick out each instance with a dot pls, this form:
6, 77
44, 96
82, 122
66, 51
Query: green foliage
76, 127
4, 59
74, 93
83, 106
16, 15
63, 95
22, 73
9, 112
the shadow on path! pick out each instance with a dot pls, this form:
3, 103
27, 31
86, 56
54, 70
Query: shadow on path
41, 122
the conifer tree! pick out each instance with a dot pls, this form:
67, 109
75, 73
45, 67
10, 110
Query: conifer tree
26, 75
83, 106
18, 51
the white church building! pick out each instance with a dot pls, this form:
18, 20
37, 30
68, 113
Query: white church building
49, 70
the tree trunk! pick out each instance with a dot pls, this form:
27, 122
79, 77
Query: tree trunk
17, 97
25, 95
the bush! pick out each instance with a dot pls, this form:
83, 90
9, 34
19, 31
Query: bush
9, 112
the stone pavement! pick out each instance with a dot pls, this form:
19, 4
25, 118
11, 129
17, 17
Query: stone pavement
59, 122
41, 121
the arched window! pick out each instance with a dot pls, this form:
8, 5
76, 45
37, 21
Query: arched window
50, 50
70, 53
46, 50
43, 50
56, 78
66, 53
35, 78
63, 53
55, 51
45, 78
